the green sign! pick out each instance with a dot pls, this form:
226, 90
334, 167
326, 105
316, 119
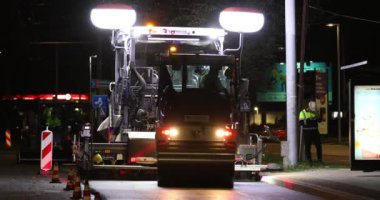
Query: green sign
274, 87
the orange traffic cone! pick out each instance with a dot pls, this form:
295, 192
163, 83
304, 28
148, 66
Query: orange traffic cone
97, 196
77, 193
55, 176
86, 191
70, 180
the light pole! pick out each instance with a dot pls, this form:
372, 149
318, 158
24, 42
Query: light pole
338, 78
90, 77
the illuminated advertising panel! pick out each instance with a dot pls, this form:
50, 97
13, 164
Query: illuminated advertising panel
367, 122
321, 94
365, 126
273, 87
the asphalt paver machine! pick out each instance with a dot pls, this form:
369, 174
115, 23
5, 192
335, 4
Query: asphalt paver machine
162, 117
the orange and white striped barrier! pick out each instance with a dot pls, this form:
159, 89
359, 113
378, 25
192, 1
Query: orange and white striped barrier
8, 139
46, 150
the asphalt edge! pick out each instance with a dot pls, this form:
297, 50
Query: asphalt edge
312, 189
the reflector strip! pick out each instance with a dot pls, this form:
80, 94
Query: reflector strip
185, 31
8, 140
141, 135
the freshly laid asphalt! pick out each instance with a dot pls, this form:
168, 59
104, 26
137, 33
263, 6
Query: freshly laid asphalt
333, 180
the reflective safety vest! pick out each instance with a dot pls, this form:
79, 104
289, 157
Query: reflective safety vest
309, 120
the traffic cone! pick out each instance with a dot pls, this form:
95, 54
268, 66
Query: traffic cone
97, 196
70, 180
55, 176
77, 192
86, 191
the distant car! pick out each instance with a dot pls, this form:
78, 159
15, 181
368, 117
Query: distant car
280, 133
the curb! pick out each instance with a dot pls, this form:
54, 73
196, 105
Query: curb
316, 190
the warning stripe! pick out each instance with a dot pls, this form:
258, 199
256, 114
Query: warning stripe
46, 150
8, 140
46, 141
46, 162
45, 134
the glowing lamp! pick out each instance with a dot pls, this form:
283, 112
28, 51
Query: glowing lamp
170, 132
173, 49
113, 16
220, 133
149, 25
241, 20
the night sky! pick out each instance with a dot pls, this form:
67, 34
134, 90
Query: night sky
359, 23
39, 37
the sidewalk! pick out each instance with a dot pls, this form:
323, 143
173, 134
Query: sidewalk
330, 183
334, 180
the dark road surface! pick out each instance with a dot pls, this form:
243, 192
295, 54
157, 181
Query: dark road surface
22, 181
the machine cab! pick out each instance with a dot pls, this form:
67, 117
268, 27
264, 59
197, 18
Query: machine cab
196, 84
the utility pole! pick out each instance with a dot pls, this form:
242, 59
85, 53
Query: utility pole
291, 97
90, 88
338, 71
302, 56
301, 84
339, 129
56, 70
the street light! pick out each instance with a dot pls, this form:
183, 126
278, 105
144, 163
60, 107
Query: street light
256, 109
90, 77
338, 76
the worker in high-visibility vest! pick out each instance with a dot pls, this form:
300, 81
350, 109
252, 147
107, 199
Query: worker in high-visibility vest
309, 119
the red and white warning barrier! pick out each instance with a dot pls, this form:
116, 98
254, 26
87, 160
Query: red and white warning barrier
46, 150
8, 140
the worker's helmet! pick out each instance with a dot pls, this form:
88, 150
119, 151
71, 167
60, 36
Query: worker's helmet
97, 158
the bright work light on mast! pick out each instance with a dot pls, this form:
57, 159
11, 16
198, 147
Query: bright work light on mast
113, 16
241, 20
